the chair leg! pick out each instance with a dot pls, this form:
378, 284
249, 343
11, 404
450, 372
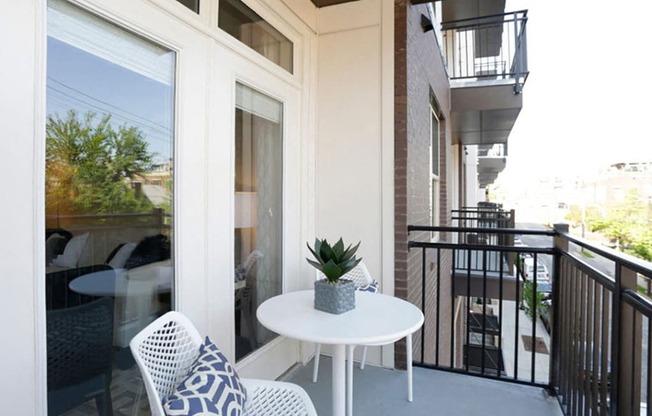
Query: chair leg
364, 358
134, 408
315, 366
408, 341
104, 403
249, 318
349, 380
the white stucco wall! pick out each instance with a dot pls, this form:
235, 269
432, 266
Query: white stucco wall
22, 358
354, 150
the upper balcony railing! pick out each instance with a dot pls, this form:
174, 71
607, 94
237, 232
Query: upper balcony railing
487, 48
492, 150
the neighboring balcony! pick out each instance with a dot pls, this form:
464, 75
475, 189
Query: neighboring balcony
492, 159
486, 61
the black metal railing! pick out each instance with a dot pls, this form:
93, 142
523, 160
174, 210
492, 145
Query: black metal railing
602, 338
482, 220
492, 150
487, 47
486, 306
547, 315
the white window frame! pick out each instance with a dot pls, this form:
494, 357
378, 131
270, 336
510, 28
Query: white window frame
435, 172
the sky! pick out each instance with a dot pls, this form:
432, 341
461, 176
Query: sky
586, 102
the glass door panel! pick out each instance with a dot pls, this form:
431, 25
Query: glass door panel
258, 212
109, 176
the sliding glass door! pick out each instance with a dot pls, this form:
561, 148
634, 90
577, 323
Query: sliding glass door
109, 194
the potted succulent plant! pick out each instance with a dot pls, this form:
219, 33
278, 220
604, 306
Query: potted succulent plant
333, 294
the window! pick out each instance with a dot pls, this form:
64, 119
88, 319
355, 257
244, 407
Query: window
434, 171
239, 21
191, 4
435, 14
109, 193
258, 212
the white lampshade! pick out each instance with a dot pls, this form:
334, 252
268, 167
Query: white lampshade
246, 207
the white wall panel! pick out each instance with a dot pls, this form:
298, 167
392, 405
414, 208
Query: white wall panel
354, 148
349, 141
22, 166
349, 16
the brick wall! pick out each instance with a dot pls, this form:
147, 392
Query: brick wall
420, 79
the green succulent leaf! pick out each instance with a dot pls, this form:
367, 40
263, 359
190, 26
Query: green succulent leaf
350, 252
334, 261
338, 248
315, 264
315, 253
326, 252
332, 271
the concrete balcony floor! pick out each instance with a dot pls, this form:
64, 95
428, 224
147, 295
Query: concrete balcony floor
380, 391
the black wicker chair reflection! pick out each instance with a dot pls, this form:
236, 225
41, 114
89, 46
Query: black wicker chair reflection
79, 357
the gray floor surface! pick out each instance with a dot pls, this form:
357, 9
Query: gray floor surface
379, 391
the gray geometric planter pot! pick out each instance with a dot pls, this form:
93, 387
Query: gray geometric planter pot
334, 298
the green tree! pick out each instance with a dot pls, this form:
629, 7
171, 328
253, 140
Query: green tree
624, 222
592, 215
90, 166
574, 214
642, 245
532, 304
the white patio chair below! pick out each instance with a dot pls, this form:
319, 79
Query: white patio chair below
165, 352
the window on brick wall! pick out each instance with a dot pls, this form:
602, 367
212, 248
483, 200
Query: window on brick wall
434, 172
191, 4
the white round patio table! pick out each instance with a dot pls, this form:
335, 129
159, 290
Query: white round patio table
376, 319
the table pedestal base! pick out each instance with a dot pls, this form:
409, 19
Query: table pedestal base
339, 380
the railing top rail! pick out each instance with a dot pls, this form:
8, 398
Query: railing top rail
480, 247
489, 16
597, 275
480, 210
550, 233
493, 218
639, 302
637, 265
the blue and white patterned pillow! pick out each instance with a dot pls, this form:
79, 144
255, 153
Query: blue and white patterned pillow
371, 287
212, 387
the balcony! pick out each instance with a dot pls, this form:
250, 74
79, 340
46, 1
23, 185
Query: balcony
486, 61
492, 159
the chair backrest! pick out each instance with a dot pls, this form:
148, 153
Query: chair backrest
165, 351
79, 343
359, 274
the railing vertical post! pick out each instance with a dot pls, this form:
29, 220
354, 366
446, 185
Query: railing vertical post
561, 246
517, 57
511, 223
629, 340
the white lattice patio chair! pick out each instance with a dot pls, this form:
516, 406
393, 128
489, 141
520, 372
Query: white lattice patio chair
363, 282
165, 351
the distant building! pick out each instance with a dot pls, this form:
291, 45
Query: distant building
614, 184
